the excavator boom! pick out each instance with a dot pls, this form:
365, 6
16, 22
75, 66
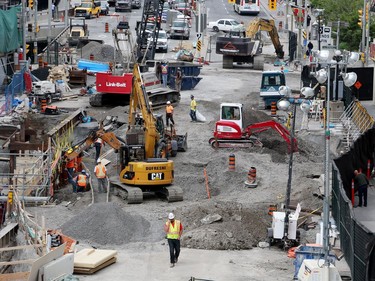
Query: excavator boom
260, 24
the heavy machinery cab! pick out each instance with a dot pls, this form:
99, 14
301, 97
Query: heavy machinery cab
232, 112
269, 88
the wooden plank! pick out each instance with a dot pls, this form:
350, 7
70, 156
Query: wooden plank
18, 145
17, 262
18, 276
83, 270
91, 258
7, 229
20, 247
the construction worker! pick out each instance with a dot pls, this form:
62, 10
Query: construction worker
361, 183
81, 181
193, 109
98, 147
70, 167
174, 229
164, 74
169, 113
178, 80
101, 174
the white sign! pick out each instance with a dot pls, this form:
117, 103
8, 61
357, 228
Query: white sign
199, 35
325, 35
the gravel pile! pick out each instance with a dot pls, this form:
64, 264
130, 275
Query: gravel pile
101, 52
107, 224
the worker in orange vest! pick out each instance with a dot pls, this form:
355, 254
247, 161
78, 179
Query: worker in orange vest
81, 181
174, 229
70, 166
169, 113
101, 174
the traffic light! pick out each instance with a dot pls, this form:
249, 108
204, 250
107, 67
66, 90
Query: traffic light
367, 11
30, 27
31, 4
360, 14
272, 5
37, 28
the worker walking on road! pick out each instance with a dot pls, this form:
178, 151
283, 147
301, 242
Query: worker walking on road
173, 228
101, 174
81, 181
169, 113
98, 147
193, 109
361, 183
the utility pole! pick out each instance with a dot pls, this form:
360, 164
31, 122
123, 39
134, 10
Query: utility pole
286, 14
363, 26
23, 23
35, 49
368, 21
49, 29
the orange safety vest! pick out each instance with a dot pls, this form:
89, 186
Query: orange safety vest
174, 230
81, 180
169, 109
70, 164
164, 69
100, 171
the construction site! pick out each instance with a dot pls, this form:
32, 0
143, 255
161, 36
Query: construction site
246, 179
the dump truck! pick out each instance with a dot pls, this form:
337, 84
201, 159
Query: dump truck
247, 48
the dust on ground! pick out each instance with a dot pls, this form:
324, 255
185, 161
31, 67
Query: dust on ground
235, 217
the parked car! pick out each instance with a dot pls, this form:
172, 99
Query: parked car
136, 4
183, 8
123, 6
104, 6
226, 25
162, 41
180, 28
123, 25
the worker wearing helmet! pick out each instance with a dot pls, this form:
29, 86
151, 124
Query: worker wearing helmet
193, 109
173, 228
101, 174
98, 147
81, 181
169, 113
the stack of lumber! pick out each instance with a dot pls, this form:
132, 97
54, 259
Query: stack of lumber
89, 261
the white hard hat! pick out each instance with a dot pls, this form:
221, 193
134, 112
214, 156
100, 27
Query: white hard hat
168, 102
83, 172
171, 216
98, 161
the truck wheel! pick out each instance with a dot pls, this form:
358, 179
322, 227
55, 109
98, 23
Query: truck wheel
227, 62
215, 28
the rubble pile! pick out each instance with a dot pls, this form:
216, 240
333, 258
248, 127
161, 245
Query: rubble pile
106, 224
101, 52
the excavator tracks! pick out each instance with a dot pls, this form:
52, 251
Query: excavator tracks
248, 143
134, 195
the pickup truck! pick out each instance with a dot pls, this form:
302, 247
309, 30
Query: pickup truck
88, 10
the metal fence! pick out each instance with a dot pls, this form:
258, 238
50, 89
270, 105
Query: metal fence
354, 237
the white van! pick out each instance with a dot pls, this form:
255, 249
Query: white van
247, 7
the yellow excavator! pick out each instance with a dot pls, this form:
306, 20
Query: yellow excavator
144, 167
260, 24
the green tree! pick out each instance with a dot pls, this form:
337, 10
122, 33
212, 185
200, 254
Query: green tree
345, 11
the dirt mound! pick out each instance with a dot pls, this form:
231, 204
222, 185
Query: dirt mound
106, 223
101, 52
224, 226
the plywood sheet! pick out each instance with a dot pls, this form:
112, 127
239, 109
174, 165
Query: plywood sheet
91, 258
83, 270
18, 276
